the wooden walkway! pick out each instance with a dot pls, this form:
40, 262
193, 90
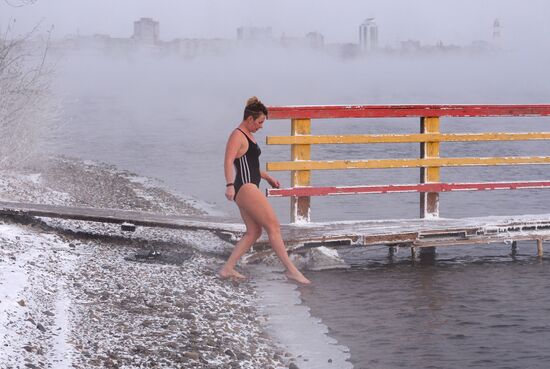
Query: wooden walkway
406, 232
116, 216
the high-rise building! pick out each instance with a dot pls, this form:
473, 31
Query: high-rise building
368, 35
146, 30
254, 34
496, 30
315, 40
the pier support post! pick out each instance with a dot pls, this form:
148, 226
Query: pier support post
429, 201
300, 205
392, 250
427, 255
514, 248
540, 250
413, 254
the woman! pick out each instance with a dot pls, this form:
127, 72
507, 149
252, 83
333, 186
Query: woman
242, 152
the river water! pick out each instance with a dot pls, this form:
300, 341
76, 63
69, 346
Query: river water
472, 307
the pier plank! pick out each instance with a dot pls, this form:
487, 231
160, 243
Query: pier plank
410, 232
118, 216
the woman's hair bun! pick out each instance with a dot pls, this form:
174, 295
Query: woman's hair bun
255, 108
252, 100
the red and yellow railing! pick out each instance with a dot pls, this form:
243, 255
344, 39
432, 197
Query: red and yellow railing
429, 161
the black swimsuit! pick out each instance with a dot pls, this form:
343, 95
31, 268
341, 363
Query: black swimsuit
248, 166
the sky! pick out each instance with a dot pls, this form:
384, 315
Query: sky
429, 21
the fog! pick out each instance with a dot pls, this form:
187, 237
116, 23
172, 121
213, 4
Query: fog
169, 117
450, 21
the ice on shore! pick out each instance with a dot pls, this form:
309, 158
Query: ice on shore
306, 337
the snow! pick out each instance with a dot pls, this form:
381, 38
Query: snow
84, 305
27, 276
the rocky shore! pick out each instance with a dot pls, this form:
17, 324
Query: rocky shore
83, 295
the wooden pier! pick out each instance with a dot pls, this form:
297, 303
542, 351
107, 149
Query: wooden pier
426, 232
413, 233
127, 218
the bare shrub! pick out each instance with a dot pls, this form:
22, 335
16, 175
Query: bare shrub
26, 112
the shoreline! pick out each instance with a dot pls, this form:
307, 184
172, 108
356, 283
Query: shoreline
75, 294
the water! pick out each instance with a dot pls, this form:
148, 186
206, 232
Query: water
484, 310
475, 307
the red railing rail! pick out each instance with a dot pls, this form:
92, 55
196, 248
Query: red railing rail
401, 111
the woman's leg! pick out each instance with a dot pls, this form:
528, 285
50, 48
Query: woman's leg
253, 232
254, 202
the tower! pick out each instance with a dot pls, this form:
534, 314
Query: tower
368, 35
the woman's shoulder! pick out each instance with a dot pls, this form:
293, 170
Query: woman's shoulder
236, 135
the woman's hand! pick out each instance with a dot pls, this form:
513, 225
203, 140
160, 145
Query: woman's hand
273, 182
230, 193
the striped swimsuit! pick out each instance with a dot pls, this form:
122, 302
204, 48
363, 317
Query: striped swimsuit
248, 166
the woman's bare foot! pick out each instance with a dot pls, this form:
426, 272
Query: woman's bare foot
297, 277
239, 275
233, 274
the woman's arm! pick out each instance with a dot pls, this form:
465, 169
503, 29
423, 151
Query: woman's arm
272, 181
231, 150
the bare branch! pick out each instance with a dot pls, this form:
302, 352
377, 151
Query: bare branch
19, 3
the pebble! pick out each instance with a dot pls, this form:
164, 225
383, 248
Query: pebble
188, 316
211, 317
242, 356
192, 355
41, 328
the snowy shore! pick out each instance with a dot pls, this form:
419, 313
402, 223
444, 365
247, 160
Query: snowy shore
84, 295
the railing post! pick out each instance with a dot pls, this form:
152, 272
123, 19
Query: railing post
300, 206
429, 201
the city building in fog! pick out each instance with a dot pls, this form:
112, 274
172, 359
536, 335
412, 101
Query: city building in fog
496, 30
146, 38
255, 34
315, 40
411, 46
147, 31
190, 48
368, 35
312, 40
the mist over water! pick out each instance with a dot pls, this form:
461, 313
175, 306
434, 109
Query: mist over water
169, 118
